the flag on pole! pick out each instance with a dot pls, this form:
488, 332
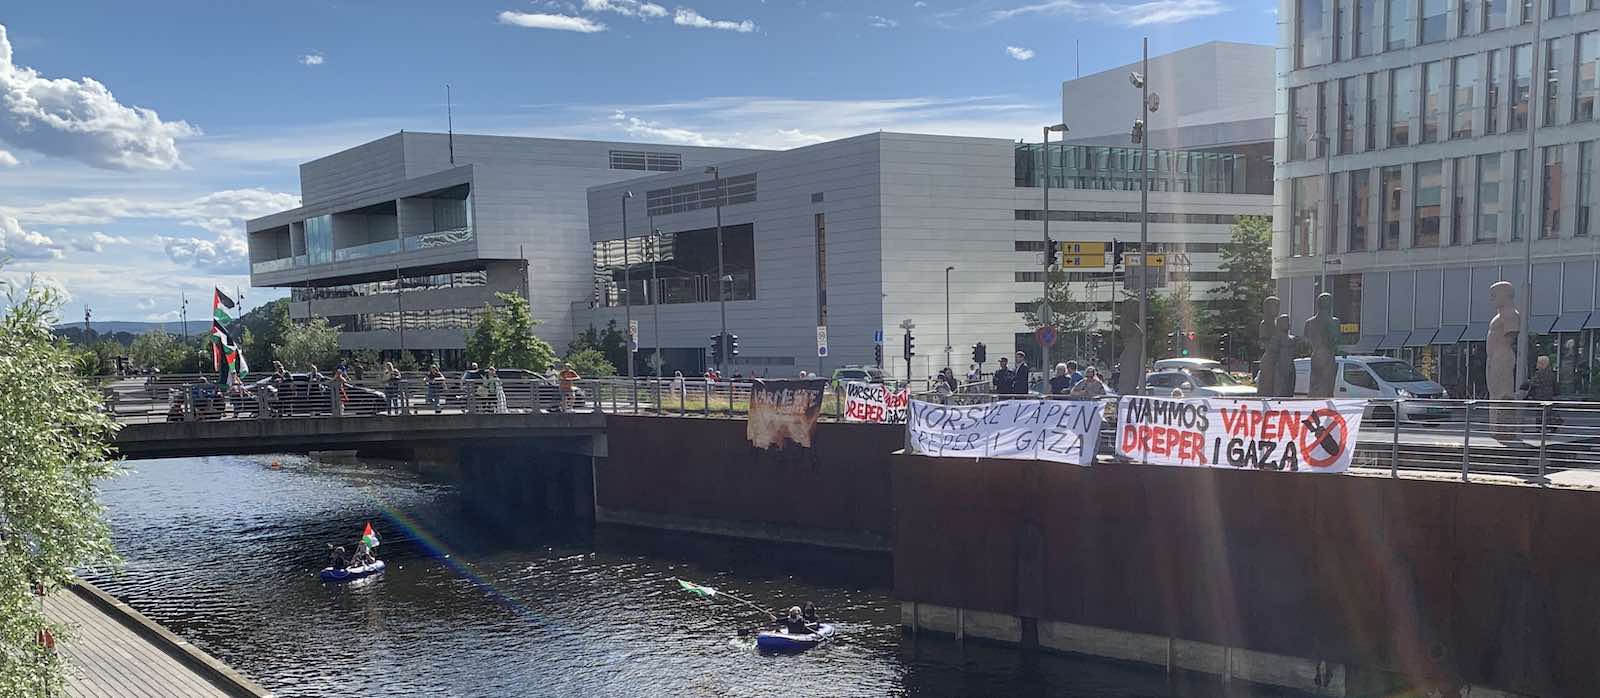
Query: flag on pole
696, 589
369, 536
224, 350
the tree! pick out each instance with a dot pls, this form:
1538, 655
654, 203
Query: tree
158, 349
310, 343
611, 342
53, 451
504, 337
590, 363
263, 329
1068, 316
1247, 263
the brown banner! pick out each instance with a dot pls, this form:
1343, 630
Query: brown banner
783, 410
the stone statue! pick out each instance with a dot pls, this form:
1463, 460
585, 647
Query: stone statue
1500, 365
1283, 383
1132, 358
1267, 332
1322, 333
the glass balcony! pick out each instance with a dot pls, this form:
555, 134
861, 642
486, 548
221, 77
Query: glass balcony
438, 238
281, 264
371, 249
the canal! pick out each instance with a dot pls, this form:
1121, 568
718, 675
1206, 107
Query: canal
225, 552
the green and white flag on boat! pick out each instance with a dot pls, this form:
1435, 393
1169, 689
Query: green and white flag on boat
696, 589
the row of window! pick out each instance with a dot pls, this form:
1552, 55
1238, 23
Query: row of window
647, 161
1443, 96
391, 321
1211, 247
1125, 217
1037, 277
1484, 191
739, 189
407, 284
1242, 170
1364, 28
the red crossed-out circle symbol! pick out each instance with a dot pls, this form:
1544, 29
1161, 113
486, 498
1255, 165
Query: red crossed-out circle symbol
1324, 436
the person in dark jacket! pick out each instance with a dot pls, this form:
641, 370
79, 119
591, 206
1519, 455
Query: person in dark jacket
1542, 385
1002, 378
794, 623
1020, 376
1061, 382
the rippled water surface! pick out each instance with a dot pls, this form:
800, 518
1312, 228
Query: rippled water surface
225, 552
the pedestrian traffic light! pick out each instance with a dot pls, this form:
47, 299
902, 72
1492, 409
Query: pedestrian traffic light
980, 353
733, 345
1172, 343
1222, 345
877, 355
716, 350
1052, 254
1188, 343
1116, 253
911, 345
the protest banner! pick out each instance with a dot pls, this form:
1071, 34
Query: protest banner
784, 410
875, 403
1063, 431
1316, 436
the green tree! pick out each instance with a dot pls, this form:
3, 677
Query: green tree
1247, 262
504, 337
53, 451
611, 342
313, 342
590, 363
1069, 317
158, 349
407, 362
263, 329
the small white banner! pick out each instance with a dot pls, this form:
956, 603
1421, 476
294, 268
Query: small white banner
1316, 436
1063, 431
875, 402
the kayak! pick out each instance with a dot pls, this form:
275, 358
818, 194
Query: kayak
782, 641
347, 574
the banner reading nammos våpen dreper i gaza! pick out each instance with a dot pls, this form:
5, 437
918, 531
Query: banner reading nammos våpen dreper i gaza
1316, 436
1065, 431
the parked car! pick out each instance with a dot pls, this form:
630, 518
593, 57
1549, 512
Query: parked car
1180, 363
860, 374
303, 397
522, 387
1379, 377
1204, 381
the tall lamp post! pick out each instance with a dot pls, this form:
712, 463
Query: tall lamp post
1141, 135
722, 300
1049, 254
1524, 340
627, 287
947, 271
655, 295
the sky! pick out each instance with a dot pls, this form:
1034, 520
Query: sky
136, 138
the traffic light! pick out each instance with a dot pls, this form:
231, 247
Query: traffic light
1116, 253
1222, 345
911, 345
1188, 343
716, 350
1052, 252
877, 355
1172, 343
980, 353
733, 345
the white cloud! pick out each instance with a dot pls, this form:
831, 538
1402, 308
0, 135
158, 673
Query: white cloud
37, 279
169, 316
97, 241
630, 8
225, 254
1133, 15
312, 59
1019, 52
539, 20
8, 160
919, 3
687, 17
882, 22
201, 211
16, 243
639, 128
81, 120
146, 303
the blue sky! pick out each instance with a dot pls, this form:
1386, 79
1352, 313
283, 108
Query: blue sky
135, 138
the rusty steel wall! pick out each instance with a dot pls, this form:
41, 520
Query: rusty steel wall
705, 468
1450, 582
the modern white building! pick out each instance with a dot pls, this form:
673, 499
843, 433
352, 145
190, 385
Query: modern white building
1403, 166
401, 242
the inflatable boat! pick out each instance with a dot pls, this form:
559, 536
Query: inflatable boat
781, 641
348, 574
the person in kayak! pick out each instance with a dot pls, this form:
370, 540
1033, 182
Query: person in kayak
363, 556
808, 613
794, 623
337, 559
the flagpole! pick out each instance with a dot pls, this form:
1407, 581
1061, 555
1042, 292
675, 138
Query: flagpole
718, 592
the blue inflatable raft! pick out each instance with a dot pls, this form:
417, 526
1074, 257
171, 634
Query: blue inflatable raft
781, 641
350, 574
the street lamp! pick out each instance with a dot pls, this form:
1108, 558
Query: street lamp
947, 271
627, 286
1148, 103
1049, 254
1524, 345
655, 295
722, 300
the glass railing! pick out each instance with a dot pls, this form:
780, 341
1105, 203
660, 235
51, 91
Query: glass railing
437, 238
371, 249
280, 264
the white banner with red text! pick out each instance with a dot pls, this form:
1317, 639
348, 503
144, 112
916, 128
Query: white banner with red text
1063, 431
1315, 436
875, 403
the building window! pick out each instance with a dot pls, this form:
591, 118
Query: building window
1426, 200
1461, 180
1341, 30
1520, 181
1435, 13
1309, 40
822, 270
739, 189
1375, 97
1495, 16
1559, 8
1392, 188
1552, 86
1550, 223
649, 162
1398, 14
1489, 203
685, 267
1521, 84
1495, 87
1307, 199
1302, 121
1471, 14
1366, 28
1402, 104
1526, 11
1434, 97
1585, 185
1587, 87
1466, 84
1360, 208
1347, 116
319, 239
1030, 277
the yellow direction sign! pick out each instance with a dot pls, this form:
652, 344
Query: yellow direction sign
1085, 248
1153, 260
1083, 261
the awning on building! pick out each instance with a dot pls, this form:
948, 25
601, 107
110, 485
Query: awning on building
1593, 323
1476, 332
1421, 338
1570, 322
1449, 334
1365, 344
1393, 340
1541, 324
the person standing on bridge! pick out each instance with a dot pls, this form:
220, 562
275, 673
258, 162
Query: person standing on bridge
569, 387
435, 386
496, 390
1002, 378
392, 387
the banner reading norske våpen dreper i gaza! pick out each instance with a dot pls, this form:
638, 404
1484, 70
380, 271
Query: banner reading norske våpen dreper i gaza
1065, 431
1316, 436
875, 402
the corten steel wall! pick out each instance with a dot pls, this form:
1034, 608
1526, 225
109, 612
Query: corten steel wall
1448, 582
705, 468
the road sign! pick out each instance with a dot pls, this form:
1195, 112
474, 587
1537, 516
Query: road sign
907, 324
1046, 336
1083, 261
877, 336
1089, 248
1134, 259
822, 340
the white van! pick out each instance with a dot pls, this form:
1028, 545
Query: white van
1179, 364
1379, 377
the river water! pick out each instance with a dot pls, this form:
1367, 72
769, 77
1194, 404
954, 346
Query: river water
225, 552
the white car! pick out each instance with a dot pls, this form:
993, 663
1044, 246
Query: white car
1186, 363
1380, 377
1203, 382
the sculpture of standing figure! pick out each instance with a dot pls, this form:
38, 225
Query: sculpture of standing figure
1132, 358
1322, 333
1267, 332
1500, 365
1283, 383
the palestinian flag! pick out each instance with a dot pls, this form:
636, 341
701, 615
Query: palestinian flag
696, 589
370, 537
224, 351
223, 310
